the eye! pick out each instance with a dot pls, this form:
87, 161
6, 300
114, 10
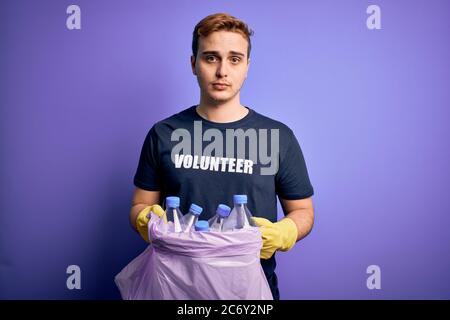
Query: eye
235, 59
211, 58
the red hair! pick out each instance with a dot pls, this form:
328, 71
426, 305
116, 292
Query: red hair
219, 22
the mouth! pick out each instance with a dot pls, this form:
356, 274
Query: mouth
220, 85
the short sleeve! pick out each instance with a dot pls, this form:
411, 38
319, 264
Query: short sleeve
292, 179
147, 173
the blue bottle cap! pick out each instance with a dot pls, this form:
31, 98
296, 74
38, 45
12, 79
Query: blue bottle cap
223, 210
201, 225
240, 199
172, 202
195, 209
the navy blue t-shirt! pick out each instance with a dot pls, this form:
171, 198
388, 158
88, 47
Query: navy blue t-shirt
206, 163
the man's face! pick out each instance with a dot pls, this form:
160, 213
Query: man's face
221, 58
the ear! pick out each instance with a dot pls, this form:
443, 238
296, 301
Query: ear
248, 66
193, 65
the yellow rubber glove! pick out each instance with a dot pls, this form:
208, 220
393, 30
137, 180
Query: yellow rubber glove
280, 235
144, 217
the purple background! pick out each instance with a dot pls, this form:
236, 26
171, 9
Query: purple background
369, 107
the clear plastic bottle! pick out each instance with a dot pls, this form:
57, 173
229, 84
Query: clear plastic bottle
173, 213
201, 225
240, 217
191, 217
216, 222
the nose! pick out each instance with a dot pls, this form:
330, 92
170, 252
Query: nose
221, 70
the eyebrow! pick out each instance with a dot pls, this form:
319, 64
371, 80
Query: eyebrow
217, 53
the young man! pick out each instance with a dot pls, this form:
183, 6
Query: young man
194, 153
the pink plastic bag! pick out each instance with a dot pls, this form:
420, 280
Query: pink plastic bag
196, 265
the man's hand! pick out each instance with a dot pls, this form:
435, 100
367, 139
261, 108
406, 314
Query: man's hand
281, 235
144, 217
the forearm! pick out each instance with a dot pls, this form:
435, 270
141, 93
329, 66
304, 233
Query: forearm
304, 220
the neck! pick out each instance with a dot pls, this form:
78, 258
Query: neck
222, 112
